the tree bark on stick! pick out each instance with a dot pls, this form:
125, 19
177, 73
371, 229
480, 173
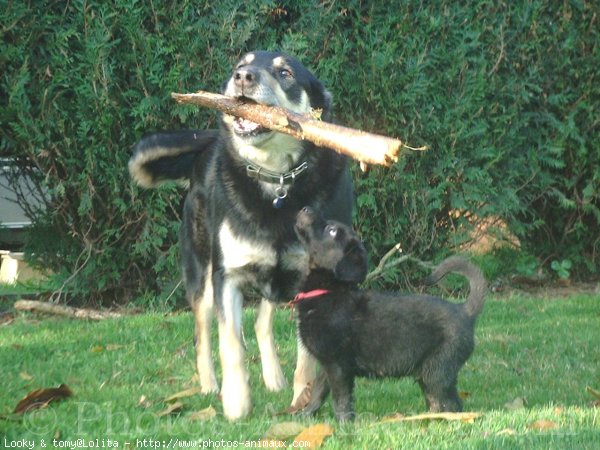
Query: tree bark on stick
360, 145
61, 310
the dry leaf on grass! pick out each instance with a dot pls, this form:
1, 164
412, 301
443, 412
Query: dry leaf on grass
468, 417
204, 414
109, 348
300, 402
25, 376
113, 347
6, 318
594, 393
542, 425
144, 402
282, 431
314, 436
172, 408
186, 393
464, 395
40, 398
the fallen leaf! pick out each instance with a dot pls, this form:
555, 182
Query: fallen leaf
542, 425
172, 408
314, 436
593, 392
144, 402
517, 403
506, 431
186, 393
468, 417
97, 349
111, 347
40, 398
282, 431
6, 318
204, 414
300, 402
25, 376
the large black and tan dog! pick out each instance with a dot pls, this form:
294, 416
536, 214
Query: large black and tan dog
247, 184
356, 332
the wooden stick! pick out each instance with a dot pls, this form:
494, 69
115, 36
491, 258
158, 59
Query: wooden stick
366, 147
61, 310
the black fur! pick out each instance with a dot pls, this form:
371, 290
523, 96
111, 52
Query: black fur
355, 332
232, 236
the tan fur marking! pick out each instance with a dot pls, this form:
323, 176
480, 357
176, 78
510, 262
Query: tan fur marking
271, 370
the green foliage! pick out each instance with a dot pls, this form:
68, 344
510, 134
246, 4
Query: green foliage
562, 268
504, 94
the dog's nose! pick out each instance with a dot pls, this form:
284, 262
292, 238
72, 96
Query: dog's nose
245, 77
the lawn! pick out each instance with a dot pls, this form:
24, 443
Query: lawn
534, 360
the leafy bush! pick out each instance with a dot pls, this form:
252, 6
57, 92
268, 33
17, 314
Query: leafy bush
503, 94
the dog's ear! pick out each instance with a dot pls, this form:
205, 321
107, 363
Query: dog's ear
353, 266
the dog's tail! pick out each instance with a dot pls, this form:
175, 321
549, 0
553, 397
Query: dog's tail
162, 157
477, 283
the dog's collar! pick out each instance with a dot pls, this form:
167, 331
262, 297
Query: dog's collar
310, 294
281, 179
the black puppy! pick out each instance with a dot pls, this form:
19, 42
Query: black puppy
355, 332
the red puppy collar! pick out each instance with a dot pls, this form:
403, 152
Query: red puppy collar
310, 294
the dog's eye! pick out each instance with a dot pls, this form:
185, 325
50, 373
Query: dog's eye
331, 230
285, 73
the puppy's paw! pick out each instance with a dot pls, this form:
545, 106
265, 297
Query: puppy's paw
346, 416
308, 411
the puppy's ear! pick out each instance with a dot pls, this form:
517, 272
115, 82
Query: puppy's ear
353, 266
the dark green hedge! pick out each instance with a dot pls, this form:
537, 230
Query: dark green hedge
505, 95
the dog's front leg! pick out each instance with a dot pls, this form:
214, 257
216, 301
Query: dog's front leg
306, 370
235, 391
203, 313
271, 370
342, 386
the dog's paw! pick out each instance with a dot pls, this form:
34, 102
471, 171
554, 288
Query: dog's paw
208, 384
236, 399
274, 379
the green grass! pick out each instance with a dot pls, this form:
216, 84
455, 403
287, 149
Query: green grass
543, 351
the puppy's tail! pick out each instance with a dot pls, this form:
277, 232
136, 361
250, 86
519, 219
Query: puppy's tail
162, 157
477, 283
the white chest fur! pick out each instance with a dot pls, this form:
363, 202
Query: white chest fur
239, 252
